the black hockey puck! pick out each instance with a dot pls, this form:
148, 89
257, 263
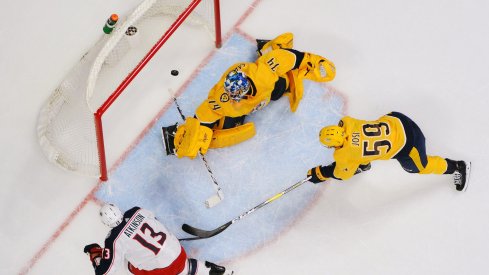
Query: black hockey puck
131, 31
174, 72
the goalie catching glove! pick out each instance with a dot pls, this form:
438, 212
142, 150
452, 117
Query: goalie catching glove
313, 67
94, 251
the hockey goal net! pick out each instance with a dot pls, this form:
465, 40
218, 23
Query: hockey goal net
70, 122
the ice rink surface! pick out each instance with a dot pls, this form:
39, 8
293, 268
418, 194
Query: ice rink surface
285, 146
428, 60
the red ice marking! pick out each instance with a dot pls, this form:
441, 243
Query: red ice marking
90, 197
233, 30
60, 230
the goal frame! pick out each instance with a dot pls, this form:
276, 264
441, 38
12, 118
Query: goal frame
98, 115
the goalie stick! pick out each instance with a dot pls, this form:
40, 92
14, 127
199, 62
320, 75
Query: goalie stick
204, 234
215, 199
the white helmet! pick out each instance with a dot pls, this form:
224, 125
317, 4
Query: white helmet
110, 215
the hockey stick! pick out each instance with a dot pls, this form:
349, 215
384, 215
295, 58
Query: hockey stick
204, 234
217, 198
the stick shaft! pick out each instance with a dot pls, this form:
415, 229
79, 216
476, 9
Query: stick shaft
273, 198
203, 234
218, 188
178, 106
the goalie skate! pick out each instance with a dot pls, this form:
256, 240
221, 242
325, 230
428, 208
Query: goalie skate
168, 137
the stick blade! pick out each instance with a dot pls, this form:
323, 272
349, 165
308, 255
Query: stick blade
213, 201
203, 234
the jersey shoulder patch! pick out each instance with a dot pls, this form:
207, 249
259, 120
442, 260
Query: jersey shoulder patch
224, 97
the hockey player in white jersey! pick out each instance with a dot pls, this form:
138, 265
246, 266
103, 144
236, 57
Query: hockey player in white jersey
139, 240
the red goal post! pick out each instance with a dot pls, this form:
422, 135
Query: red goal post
70, 125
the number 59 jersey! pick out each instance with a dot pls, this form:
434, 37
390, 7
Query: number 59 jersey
141, 240
366, 141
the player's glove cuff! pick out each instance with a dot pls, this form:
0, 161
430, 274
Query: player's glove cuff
362, 168
316, 175
94, 251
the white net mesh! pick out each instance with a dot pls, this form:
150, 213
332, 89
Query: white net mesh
66, 128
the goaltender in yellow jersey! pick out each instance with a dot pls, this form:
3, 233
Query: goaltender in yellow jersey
261, 78
244, 88
394, 136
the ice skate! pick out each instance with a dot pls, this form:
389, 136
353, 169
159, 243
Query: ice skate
461, 175
217, 269
168, 136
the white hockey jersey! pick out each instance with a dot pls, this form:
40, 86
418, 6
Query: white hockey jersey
141, 240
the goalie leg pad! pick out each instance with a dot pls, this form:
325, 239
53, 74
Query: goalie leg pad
191, 137
232, 136
283, 41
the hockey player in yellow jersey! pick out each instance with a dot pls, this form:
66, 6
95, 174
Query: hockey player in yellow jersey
394, 136
244, 88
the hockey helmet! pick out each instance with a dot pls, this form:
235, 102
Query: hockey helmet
236, 85
332, 136
110, 215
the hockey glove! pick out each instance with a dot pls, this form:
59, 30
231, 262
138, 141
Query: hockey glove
316, 175
94, 251
362, 168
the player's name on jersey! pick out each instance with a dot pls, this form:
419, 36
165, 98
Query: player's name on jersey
134, 225
355, 139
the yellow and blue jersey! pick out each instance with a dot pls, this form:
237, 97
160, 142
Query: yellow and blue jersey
263, 74
366, 141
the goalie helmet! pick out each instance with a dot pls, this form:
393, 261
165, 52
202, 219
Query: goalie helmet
236, 85
332, 136
110, 215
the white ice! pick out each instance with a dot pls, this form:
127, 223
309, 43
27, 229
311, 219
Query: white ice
428, 59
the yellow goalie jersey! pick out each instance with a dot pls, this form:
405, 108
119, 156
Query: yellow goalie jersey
366, 141
262, 74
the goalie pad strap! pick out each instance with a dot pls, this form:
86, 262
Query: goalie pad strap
232, 136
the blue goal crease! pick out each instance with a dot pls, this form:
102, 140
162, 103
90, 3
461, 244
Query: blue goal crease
284, 148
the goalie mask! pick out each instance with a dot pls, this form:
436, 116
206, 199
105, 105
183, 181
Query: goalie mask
236, 85
110, 215
332, 136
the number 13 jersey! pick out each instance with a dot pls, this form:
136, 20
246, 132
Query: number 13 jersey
141, 240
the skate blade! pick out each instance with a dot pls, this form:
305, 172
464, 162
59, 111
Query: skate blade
467, 175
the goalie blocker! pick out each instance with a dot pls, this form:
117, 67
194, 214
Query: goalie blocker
190, 138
